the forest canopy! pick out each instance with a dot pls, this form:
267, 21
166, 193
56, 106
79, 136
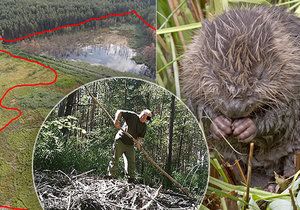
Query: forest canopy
19, 18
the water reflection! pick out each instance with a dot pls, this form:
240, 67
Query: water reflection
113, 56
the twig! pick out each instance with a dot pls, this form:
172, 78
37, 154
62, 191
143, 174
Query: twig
133, 200
119, 206
152, 198
69, 202
67, 177
87, 172
293, 199
229, 172
237, 163
249, 172
297, 161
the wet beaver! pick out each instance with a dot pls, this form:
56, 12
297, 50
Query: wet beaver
242, 70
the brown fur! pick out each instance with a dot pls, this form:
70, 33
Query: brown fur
246, 63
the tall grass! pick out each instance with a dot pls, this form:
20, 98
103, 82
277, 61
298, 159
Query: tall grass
177, 21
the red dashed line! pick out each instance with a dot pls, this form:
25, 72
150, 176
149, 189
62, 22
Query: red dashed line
24, 85
48, 67
8, 207
82, 23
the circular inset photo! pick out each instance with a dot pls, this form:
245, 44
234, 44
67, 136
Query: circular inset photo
120, 143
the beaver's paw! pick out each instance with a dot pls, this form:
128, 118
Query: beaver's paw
221, 126
244, 129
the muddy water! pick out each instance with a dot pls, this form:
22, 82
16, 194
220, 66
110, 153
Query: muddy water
116, 57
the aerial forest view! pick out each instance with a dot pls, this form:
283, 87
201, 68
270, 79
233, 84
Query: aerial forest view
125, 37
75, 146
112, 46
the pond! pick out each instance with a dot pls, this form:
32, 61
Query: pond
116, 57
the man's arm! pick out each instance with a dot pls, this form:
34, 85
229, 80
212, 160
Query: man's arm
139, 143
127, 116
117, 121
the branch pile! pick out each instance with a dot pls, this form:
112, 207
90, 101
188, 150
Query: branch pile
58, 190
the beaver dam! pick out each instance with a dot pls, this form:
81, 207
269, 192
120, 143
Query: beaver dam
58, 190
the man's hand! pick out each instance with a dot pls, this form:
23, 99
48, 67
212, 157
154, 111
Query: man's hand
244, 129
138, 143
117, 124
221, 126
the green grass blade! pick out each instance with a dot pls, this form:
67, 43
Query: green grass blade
173, 12
288, 2
249, 1
168, 64
179, 28
218, 167
175, 67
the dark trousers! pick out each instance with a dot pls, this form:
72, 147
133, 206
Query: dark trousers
119, 149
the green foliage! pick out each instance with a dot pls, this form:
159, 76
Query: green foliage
51, 149
57, 151
35, 98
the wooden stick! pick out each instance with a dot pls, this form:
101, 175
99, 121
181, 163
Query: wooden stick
152, 198
69, 202
85, 173
229, 172
249, 172
237, 163
293, 199
297, 161
144, 152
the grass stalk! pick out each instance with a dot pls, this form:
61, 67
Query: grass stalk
288, 2
175, 67
171, 15
249, 173
168, 64
190, 26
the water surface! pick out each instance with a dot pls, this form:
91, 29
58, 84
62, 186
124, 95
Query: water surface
113, 56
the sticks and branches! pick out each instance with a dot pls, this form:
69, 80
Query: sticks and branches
89, 192
152, 199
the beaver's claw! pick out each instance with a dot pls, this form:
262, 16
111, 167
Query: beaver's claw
221, 126
244, 129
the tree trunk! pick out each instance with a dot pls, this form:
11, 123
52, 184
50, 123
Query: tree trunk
61, 108
170, 143
180, 143
70, 103
69, 109
92, 121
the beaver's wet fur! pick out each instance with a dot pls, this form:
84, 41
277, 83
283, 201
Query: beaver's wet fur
246, 64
